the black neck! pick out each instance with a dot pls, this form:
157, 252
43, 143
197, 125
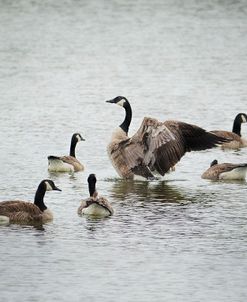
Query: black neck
128, 116
91, 188
72, 147
237, 125
39, 197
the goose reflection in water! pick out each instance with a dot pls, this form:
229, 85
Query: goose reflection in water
146, 191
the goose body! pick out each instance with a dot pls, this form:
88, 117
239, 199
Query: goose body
18, 211
94, 205
237, 141
67, 163
225, 171
156, 147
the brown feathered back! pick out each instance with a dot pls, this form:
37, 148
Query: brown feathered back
236, 140
73, 161
216, 170
20, 211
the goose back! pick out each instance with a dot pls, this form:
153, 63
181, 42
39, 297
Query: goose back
21, 211
235, 142
64, 164
226, 171
98, 207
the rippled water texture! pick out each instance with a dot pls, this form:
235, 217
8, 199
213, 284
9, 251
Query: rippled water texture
177, 239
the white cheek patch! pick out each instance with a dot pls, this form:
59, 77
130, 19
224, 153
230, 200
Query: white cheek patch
121, 103
48, 186
78, 138
244, 120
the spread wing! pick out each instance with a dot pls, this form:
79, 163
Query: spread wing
196, 138
159, 146
143, 152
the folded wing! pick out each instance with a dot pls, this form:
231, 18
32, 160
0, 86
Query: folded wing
20, 211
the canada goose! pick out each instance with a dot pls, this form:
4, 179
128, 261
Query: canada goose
66, 163
156, 146
16, 211
225, 171
237, 141
94, 205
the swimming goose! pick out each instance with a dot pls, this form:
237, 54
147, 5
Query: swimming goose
94, 205
237, 141
225, 171
16, 211
66, 163
156, 146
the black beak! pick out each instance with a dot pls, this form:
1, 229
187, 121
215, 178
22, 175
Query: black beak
83, 139
111, 101
57, 189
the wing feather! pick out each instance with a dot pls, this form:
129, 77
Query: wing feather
227, 134
104, 203
160, 145
69, 160
73, 161
195, 138
153, 147
20, 211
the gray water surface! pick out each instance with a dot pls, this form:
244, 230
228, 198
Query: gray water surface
180, 238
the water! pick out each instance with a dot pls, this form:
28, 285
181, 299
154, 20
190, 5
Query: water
180, 239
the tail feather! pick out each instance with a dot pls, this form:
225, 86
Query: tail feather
242, 166
52, 157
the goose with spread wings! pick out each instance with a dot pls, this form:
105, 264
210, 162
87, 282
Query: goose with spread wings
156, 147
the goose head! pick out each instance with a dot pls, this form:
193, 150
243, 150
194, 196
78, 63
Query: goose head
240, 118
45, 185
214, 162
120, 100
91, 184
77, 137
243, 117
123, 102
49, 185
